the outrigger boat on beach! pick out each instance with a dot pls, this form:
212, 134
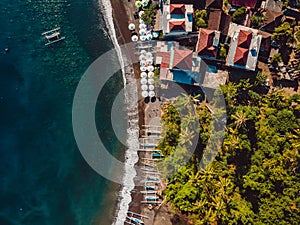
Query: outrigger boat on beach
133, 220
52, 36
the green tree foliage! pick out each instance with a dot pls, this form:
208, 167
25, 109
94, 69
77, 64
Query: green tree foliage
239, 15
261, 77
255, 179
276, 58
257, 21
283, 34
200, 18
223, 51
149, 15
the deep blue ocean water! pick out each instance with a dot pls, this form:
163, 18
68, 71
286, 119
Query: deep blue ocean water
43, 178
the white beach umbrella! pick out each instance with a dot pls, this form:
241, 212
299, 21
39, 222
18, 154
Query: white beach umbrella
143, 52
131, 26
145, 94
150, 75
155, 34
138, 4
141, 21
149, 61
142, 32
143, 81
142, 26
143, 63
151, 81
151, 93
143, 68
149, 55
143, 38
143, 75
142, 57
144, 87
141, 13
151, 87
144, 3
150, 68
134, 38
149, 37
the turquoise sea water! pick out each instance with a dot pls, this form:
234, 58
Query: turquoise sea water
43, 178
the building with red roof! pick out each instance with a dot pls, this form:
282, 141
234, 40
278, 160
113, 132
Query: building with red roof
245, 38
177, 19
244, 48
214, 4
177, 64
241, 56
176, 26
247, 3
183, 59
175, 58
177, 9
208, 42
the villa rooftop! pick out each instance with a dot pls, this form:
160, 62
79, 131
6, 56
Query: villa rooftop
177, 9
208, 41
176, 58
246, 3
214, 4
177, 18
245, 46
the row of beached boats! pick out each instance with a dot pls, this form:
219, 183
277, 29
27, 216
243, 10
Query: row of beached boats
151, 179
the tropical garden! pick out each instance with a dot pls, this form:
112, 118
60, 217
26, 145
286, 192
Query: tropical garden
255, 176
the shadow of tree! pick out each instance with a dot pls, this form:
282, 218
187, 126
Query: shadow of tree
285, 52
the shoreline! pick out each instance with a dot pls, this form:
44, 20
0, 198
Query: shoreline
120, 34
129, 196
123, 15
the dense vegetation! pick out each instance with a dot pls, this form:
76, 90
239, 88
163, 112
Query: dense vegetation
257, 21
239, 15
283, 34
255, 178
149, 14
201, 19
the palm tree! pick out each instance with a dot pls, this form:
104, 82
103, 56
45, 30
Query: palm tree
186, 136
240, 118
184, 102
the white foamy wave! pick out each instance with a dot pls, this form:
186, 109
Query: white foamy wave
106, 9
131, 96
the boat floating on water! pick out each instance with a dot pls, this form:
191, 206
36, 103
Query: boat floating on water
53, 36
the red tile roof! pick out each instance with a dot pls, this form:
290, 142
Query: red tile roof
205, 42
241, 55
214, 20
215, 4
247, 3
165, 63
177, 9
183, 59
177, 25
242, 49
245, 38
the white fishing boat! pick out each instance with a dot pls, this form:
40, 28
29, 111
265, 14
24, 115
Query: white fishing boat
53, 36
